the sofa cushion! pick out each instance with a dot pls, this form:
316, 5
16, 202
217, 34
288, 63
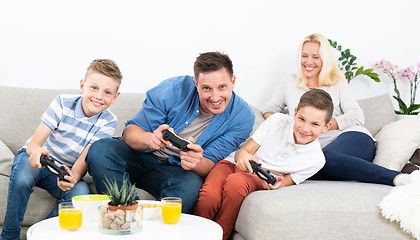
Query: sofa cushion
397, 142
6, 159
378, 112
125, 107
24, 108
259, 118
333, 209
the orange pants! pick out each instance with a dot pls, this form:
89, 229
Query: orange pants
222, 194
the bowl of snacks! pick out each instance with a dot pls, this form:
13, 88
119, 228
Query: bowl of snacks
120, 221
151, 209
89, 205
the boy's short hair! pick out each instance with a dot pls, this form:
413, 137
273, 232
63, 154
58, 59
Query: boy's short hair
212, 61
106, 67
319, 99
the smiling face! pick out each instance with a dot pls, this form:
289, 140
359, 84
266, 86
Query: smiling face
215, 90
311, 61
309, 124
99, 92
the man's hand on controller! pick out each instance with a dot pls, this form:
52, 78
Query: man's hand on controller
65, 186
191, 159
155, 141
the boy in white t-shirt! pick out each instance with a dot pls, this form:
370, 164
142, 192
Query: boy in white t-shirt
286, 146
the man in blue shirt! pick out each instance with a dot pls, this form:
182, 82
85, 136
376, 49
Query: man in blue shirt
203, 109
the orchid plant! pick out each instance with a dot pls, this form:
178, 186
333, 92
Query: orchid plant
413, 76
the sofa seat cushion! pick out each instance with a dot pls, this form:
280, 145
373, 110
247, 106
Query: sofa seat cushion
317, 208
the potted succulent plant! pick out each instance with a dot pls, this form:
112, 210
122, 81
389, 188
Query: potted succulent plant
123, 198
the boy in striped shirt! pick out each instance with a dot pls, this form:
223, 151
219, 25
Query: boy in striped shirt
67, 129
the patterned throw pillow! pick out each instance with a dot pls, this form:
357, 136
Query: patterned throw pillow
413, 163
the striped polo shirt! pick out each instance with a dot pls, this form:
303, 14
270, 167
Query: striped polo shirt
72, 130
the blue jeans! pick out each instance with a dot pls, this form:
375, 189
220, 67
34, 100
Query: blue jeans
21, 182
111, 157
349, 157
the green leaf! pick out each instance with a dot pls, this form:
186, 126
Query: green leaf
347, 67
372, 74
347, 51
402, 105
367, 71
339, 48
359, 71
414, 107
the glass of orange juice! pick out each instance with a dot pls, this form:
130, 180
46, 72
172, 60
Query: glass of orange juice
171, 209
69, 217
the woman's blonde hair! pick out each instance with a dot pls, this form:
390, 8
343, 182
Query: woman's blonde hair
330, 74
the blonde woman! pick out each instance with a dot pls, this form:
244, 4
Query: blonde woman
348, 147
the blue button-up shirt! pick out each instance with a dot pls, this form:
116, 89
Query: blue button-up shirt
175, 102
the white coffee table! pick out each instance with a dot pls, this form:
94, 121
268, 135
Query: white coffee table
189, 227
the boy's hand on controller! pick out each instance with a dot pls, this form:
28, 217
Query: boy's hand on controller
35, 158
276, 185
155, 141
190, 159
243, 162
65, 186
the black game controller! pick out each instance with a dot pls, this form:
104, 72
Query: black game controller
177, 141
261, 173
54, 167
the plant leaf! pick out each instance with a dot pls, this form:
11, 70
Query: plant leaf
414, 107
359, 71
367, 71
347, 67
402, 105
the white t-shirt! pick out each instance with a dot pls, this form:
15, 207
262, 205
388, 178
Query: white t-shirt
279, 153
347, 112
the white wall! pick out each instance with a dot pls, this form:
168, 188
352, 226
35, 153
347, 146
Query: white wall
49, 43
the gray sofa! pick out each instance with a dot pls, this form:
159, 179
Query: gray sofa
312, 210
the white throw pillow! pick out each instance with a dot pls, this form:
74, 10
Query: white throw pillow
397, 142
6, 159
